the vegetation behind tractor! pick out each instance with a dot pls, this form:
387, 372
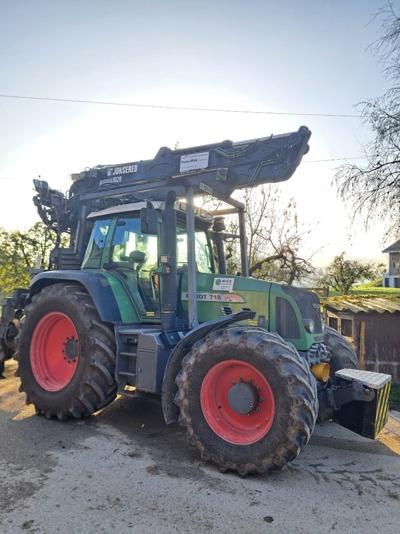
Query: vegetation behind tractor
141, 302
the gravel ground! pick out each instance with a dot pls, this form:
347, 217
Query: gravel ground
124, 470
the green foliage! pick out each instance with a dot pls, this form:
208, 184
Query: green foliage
20, 252
394, 397
342, 274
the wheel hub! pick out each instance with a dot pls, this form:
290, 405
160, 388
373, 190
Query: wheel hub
242, 397
71, 349
54, 351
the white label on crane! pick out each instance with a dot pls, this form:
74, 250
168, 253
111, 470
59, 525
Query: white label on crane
223, 284
194, 162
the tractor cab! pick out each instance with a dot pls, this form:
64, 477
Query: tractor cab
120, 245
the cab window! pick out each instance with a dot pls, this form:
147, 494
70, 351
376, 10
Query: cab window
94, 251
130, 245
134, 256
204, 258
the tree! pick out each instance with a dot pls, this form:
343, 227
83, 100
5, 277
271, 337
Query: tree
342, 274
274, 238
19, 252
374, 188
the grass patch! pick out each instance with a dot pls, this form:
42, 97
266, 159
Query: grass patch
366, 289
371, 290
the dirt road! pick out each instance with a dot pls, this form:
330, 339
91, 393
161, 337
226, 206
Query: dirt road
125, 471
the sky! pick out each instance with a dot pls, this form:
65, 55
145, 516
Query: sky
307, 62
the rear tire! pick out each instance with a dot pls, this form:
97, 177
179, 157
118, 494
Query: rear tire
247, 399
66, 355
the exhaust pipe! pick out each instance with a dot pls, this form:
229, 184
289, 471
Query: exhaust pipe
168, 264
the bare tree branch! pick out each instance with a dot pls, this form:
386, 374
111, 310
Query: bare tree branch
374, 189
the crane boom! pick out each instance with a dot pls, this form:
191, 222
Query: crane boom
216, 169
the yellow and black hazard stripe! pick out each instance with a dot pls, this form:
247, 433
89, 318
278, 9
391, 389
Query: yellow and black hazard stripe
382, 408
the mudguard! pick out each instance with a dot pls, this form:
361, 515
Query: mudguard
96, 283
169, 388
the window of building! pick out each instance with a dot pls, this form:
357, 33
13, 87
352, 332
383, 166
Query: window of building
347, 327
333, 323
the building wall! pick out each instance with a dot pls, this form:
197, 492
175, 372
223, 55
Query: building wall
390, 281
376, 338
394, 263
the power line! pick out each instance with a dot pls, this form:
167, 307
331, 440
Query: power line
333, 159
178, 108
303, 162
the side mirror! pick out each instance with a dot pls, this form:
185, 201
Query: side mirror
149, 218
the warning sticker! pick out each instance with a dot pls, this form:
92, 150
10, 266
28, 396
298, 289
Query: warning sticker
223, 284
194, 162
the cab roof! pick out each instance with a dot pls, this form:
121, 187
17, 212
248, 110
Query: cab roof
200, 214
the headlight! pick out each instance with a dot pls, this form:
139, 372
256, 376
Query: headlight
309, 325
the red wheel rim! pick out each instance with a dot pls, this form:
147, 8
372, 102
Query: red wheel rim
54, 351
215, 398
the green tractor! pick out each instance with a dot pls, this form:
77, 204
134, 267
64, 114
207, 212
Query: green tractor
141, 301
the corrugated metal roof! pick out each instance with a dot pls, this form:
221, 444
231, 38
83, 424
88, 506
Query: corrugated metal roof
366, 304
395, 247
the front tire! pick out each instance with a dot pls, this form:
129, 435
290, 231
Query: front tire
342, 355
66, 355
247, 399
